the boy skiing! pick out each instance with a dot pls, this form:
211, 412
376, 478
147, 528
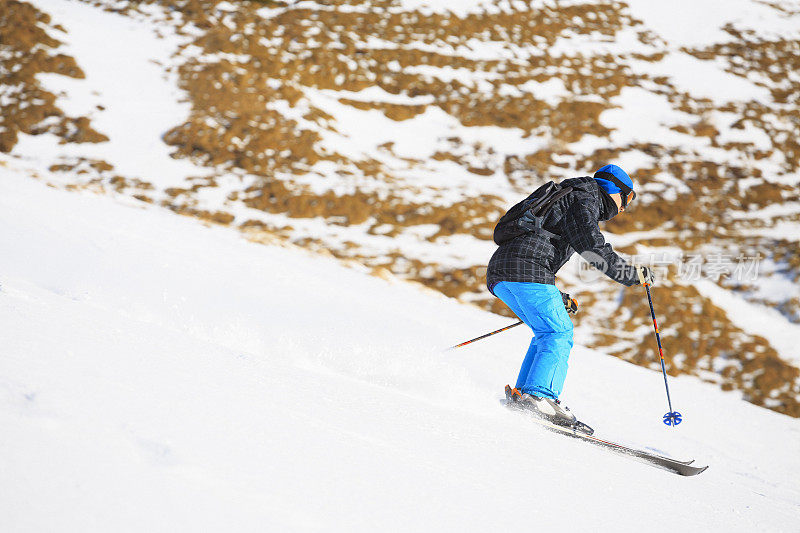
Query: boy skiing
536, 237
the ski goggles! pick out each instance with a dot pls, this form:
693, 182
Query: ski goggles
628, 195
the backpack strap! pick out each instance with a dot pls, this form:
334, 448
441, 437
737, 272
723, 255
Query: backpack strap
533, 224
531, 221
542, 210
528, 215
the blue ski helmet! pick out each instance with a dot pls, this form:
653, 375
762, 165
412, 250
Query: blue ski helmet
609, 186
613, 179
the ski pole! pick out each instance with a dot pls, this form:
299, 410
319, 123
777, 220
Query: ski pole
484, 336
672, 418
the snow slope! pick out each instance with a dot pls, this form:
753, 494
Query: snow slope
131, 94
159, 375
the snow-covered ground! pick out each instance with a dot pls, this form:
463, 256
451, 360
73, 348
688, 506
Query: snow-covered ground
160, 375
127, 92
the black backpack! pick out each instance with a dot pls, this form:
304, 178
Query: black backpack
527, 216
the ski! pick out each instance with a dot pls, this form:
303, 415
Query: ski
683, 468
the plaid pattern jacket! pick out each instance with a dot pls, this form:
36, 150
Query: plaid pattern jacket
535, 258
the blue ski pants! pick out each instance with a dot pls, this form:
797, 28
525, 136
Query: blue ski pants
541, 307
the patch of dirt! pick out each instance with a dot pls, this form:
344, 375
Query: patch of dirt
27, 48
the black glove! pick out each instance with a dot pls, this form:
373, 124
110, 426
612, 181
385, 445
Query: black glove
645, 275
570, 304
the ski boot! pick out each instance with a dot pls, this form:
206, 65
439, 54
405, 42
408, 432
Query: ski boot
512, 396
548, 409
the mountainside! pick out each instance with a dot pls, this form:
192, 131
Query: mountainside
394, 133
157, 375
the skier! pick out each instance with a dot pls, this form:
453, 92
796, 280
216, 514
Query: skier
536, 237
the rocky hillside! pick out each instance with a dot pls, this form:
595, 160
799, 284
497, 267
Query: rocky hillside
394, 133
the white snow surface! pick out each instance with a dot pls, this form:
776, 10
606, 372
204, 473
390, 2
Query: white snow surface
757, 319
699, 23
160, 375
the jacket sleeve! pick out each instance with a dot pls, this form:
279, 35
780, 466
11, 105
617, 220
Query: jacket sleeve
582, 233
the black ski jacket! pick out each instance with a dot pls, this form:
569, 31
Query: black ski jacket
536, 258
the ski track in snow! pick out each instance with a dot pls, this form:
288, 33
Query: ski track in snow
157, 375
